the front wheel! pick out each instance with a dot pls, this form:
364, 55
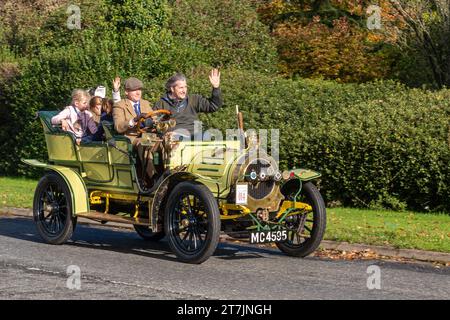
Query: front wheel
192, 222
306, 229
52, 209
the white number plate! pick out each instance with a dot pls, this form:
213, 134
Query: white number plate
268, 236
241, 194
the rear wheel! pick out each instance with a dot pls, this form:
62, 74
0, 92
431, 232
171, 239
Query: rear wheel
52, 209
192, 222
146, 233
306, 229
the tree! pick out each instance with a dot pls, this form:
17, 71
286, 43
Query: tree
226, 32
425, 31
127, 15
326, 38
304, 11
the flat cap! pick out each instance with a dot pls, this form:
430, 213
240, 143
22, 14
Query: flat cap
132, 84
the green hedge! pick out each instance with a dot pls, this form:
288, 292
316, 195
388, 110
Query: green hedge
228, 31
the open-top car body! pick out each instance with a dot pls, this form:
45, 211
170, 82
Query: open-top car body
199, 189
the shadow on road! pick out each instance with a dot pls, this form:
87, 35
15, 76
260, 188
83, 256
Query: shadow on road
124, 241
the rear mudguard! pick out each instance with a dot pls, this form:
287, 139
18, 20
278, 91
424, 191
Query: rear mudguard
78, 190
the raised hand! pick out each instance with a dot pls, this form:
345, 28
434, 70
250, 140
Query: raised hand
214, 78
116, 84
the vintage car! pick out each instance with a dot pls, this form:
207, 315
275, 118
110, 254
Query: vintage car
200, 188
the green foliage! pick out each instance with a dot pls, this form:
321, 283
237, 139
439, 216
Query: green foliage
304, 11
128, 15
424, 38
16, 192
18, 26
228, 30
40, 67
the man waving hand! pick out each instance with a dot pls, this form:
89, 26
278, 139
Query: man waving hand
185, 107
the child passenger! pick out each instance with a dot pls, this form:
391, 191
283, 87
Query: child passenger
107, 106
76, 118
95, 107
98, 102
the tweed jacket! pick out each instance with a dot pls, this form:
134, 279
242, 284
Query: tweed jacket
123, 112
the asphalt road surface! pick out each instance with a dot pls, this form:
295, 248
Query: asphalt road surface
117, 264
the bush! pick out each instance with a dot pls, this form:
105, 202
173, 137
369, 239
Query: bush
228, 31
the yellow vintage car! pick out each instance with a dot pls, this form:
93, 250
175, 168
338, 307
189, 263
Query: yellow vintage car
200, 188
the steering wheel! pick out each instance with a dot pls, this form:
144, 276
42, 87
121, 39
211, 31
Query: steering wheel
162, 112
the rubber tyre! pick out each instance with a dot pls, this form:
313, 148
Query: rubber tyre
319, 217
213, 225
65, 215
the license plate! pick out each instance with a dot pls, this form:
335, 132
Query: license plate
268, 236
241, 193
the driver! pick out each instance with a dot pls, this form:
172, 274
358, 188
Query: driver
126, 113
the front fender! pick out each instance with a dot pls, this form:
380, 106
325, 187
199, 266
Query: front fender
78, 190
306, 174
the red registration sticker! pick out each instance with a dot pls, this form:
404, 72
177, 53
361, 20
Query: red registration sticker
241, 194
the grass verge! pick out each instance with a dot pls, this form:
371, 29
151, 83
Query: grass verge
16, 192
406, 230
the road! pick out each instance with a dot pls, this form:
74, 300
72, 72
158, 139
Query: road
117, 264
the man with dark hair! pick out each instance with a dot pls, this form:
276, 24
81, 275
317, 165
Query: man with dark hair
185, 107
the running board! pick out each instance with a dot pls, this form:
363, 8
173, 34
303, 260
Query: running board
100, 216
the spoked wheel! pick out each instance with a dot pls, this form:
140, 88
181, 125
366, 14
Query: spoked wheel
192, 222
52, 209
306, 229
146, 233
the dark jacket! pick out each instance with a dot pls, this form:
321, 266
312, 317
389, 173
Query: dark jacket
185, 111
99, 135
